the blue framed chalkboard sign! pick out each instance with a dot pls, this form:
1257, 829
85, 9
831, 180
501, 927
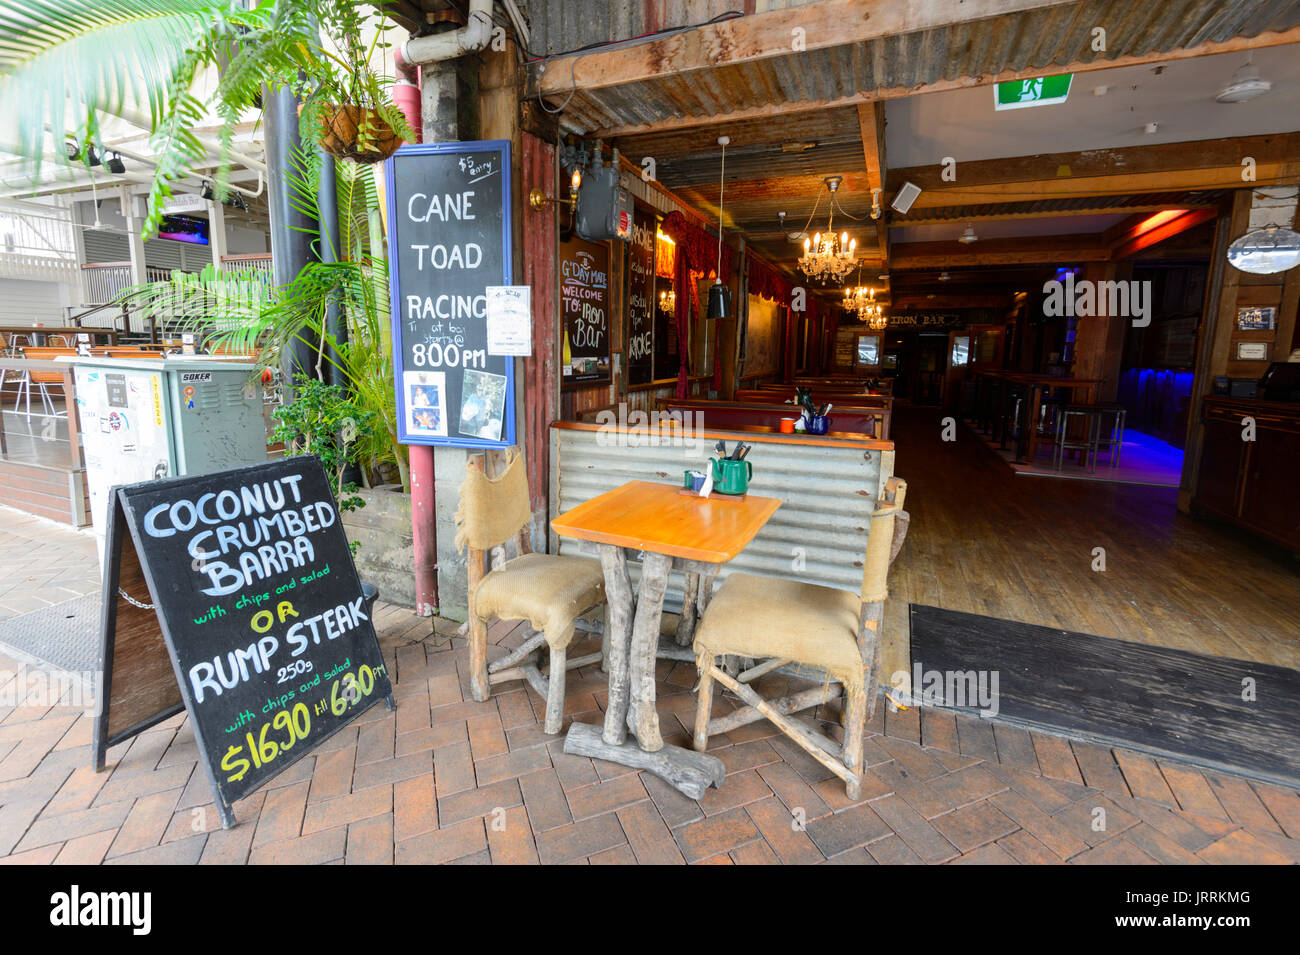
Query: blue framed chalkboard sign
449, 239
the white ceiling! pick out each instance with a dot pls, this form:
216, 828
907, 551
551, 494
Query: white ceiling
1179, 96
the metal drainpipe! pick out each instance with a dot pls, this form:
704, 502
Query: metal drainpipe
420, 464
472, 37
406, 94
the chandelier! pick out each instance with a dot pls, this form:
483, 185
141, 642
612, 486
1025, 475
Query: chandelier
828, 257
859, 297
668, 301
861, 301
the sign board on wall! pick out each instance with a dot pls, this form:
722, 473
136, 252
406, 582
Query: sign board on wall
449, 224
640, 296
584, 312
232, 595
947, 320
510, 320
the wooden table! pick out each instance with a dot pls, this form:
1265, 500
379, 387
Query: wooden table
1036, 385
37, 334
672, 530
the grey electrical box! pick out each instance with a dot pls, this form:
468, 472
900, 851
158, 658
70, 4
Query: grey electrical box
604, 206
148, 418
604, 209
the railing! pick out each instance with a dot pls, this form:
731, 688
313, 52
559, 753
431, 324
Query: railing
259, 262
47, 436
101, 282
28, 266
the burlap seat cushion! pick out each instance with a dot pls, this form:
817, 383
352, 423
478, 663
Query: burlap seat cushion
773, 617
546, 590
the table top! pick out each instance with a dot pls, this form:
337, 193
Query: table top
647, 515
1036, 378
58, 329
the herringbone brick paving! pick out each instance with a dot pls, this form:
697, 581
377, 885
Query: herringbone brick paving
445, 779
43, 563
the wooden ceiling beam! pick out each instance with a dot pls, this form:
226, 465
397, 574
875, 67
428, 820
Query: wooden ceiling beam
761, 36
871, 122
1037, 249
919, 217
1136, 239
956, 299
1234, 45
1162, 167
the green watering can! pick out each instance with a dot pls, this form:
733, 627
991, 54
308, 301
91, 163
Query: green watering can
731, 477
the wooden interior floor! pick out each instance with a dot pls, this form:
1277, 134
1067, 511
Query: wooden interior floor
986, 541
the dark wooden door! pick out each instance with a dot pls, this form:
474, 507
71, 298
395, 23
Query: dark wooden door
1222, 456
1269, 502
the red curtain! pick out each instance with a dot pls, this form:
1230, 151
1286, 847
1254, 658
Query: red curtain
696, 257
766, 282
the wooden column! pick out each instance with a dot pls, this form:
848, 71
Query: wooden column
541, 387
1099, 339
1211, 354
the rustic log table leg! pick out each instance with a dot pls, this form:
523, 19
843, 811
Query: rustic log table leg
618, 594
686, 623
644, 718
689, 772
705, 593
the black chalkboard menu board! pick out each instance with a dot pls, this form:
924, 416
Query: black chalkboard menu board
640, 296
233, 595
449, 239
584, 312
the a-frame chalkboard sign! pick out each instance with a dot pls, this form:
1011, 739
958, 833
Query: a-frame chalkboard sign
449, 228
233, 595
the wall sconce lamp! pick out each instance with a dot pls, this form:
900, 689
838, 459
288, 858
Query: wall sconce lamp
538, 199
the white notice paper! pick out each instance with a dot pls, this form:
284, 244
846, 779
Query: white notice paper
509, 320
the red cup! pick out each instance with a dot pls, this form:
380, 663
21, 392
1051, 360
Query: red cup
787, 425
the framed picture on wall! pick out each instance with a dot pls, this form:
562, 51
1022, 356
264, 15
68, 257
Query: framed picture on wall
1252, 351
1258, 319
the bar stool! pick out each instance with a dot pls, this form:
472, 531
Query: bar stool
1048, 408
1115, 415
1088, 444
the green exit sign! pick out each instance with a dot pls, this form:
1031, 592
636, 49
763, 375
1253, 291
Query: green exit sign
1041, 91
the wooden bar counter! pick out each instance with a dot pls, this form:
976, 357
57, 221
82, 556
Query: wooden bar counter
1251, 481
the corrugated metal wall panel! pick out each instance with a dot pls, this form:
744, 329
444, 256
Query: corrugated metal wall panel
23, 302
105, 246
819, 534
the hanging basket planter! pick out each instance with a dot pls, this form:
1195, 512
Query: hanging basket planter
358, 133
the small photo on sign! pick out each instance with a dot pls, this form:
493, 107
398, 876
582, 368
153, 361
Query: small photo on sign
483, 402
426, 404
1256, 319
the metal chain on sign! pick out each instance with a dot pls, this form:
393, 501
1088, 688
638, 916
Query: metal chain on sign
132, 601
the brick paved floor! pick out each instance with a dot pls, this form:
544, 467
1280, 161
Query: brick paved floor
444, 779
43, 563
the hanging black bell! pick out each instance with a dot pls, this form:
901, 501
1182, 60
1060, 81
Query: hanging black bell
719, 301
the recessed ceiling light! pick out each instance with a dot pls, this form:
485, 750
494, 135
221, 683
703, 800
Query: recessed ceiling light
1245, 85
1150, 128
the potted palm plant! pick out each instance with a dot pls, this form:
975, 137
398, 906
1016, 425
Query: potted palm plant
347, 107
65, 66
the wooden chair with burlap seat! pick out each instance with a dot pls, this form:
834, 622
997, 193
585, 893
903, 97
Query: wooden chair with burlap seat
550, 592
810, 631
